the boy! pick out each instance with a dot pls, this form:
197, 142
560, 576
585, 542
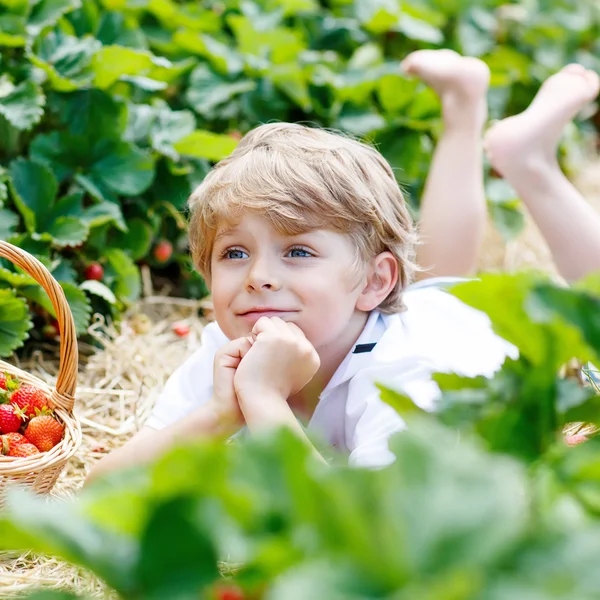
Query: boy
306, 243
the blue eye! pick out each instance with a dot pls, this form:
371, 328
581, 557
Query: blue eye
235, 254
299, 253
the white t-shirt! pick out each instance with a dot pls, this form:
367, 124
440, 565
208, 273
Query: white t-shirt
437, 333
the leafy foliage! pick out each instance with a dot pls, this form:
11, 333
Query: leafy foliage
111, 112
484, 500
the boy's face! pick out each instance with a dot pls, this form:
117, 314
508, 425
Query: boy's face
310, 279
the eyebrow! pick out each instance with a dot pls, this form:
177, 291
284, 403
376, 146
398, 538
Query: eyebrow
225, 232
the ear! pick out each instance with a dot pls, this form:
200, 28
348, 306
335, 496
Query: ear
382, 276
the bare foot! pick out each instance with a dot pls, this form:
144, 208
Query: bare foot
530, 139
461, 82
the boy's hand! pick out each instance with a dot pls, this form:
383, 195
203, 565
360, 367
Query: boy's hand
226, 362
280, 362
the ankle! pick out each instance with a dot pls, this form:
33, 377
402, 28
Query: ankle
465, 114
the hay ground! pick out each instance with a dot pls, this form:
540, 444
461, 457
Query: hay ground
119, 384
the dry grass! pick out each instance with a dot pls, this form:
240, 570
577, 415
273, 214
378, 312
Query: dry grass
119, 385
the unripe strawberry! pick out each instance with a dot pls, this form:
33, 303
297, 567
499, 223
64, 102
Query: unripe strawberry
94, 271
50, 331
163, 251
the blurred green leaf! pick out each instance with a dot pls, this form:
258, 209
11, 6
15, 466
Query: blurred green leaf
14, 322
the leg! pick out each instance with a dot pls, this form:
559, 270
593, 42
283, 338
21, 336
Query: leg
453, 208
523, 150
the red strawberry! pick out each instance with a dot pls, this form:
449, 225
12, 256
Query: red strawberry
181, 329
10, 421
8, 382
29, 398
23, 450
12, 440
94, 271
229, 592
44, 432
163, 251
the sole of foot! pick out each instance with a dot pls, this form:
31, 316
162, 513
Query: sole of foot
530, 139
447, 72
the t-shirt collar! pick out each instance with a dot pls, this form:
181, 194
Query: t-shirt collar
361, 354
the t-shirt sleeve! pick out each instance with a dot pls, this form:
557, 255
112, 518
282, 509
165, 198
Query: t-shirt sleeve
370, 421
191, 384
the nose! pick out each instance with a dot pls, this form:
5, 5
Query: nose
262, 276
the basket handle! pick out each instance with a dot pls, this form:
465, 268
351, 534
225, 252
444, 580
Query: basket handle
64, 394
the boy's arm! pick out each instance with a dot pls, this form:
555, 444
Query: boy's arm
148, 444
280, 362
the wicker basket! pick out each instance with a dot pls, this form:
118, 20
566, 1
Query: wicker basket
40, 472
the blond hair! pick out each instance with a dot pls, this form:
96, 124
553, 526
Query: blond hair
302, 178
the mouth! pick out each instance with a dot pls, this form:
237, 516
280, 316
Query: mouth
256, 313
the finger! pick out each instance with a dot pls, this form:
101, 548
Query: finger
295, 330
237, 348
264, 325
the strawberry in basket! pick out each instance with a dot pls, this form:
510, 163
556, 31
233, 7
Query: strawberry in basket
44, 431
10, 441
30, 400
10, 418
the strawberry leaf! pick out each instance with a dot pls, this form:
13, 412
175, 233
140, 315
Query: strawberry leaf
97, 288
65, 60
34, 189
14, 322
8, 223
22, 105
66, 231
123, 274
205, 144
125, 170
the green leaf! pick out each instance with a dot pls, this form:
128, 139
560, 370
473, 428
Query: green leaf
522, 320
97, 288
68, 231
103, 213
223, 58
137, 240
34, 189
23, 105
14, 322
395, 92
205, 144
66, 60
170, 126
12, 31
111, 62
9, 222
185, 570
208, 92
58, 528
579, 308
93, 113
126, 170
46, 13
16, 278
401, 403
123, 274
360, 121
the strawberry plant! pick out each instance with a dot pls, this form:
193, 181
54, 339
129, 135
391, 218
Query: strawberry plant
485, 500
112, 112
